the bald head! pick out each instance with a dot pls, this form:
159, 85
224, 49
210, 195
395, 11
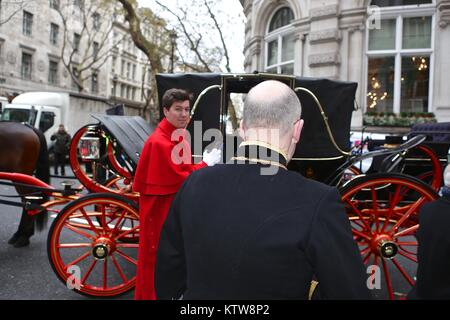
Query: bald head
271, 104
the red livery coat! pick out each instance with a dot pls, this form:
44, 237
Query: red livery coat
163, 166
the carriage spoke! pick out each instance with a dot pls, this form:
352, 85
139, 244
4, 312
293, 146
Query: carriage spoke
367, 257
79, 231
129, 259
403, 272
360, 234
392, 205
122, 275
132, 230
359, 214
407, 231
105, 273
388, 279
81, 258
128, 245
89, 221
73, 245
408, 243
410, 211
118, 222
91, 267
408, 256
375, 208
103, 218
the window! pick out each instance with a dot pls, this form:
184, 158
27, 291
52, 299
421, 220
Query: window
114, 62
53, 72
280, 43
96, 21
54, 4
133, 93
95, 49
76, 42
54, 32
134, 72
27, 24
47, 121
122, 69
389, 3
122, 90
128, 70
75, 74
94, 83
399, 59
27, 66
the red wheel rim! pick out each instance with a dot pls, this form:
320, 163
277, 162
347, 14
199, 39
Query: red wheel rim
89, 183
106, 259
383, 213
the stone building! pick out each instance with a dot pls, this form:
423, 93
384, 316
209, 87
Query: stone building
31, 42
396, 50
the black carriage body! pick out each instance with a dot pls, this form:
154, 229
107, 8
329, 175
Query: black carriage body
315, 155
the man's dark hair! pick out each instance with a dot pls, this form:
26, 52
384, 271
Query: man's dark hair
172, 95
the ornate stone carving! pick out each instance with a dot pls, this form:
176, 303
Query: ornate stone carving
324, 36
324, 12
324, 59
11, 57
444, 20
41, 66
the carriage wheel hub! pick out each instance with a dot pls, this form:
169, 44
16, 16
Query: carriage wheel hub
386, 247
103, 247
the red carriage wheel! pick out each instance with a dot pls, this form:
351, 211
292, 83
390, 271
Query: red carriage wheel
383, 212
424, 156
99, 253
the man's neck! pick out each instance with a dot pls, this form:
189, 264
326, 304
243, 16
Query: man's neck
269, 137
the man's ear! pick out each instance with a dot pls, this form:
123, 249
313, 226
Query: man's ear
165, 111
242, 130
298, 126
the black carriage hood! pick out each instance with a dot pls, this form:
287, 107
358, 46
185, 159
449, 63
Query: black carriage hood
336, 97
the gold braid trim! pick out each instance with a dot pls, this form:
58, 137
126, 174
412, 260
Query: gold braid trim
272, 163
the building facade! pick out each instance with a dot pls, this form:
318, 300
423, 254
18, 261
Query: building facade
32, 38
396, 50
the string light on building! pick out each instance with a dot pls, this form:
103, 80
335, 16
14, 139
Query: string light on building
376, 94
420, 63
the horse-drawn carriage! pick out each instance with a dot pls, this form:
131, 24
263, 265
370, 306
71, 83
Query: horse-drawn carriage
92, 243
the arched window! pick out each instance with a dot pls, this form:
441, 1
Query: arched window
400, 58
282, 17
280, 42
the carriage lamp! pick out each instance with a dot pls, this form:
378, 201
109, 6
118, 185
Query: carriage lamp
89, 148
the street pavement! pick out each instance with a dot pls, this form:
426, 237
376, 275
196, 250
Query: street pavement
25, 273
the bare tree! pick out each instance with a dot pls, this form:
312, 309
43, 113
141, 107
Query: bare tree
207, 58
9, 8
150, 35
87, 44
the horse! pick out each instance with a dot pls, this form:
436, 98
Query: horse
23, 149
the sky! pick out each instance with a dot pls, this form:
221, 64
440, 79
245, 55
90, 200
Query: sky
231, 18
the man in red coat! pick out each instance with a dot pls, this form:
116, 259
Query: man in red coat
165, 162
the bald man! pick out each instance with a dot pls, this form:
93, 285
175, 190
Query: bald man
263, 232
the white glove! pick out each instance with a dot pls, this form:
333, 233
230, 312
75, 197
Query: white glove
212, 157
